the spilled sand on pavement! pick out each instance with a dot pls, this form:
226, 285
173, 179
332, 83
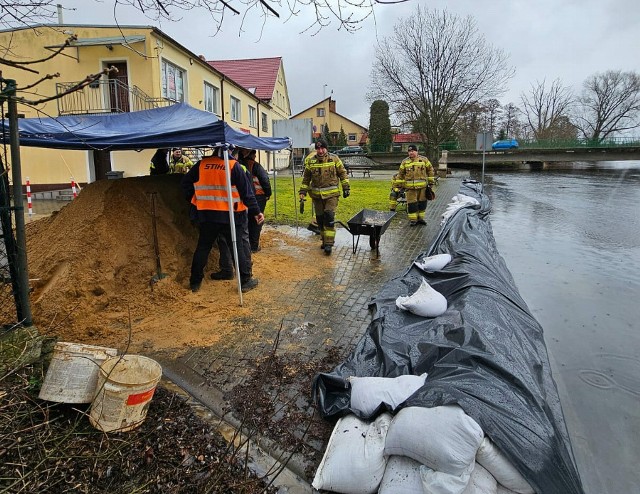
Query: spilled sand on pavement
92, 267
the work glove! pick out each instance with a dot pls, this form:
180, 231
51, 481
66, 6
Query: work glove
301, 205
346, 193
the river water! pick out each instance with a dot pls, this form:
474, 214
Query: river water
571, 239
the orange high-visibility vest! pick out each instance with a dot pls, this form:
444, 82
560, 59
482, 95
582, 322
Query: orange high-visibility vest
257, 186
211, 187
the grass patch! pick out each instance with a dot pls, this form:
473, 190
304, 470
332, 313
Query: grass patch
365, 193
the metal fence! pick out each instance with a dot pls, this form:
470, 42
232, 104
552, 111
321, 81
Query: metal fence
105, 96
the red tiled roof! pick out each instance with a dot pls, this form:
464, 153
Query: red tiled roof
258, 75
407, 138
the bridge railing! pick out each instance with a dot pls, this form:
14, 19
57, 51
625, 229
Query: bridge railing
610, 142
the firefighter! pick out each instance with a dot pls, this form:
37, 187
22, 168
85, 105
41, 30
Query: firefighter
178, 162
397, 190
417, 173
323, 173
262, 189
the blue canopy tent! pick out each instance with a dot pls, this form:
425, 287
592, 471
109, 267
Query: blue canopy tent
177, 125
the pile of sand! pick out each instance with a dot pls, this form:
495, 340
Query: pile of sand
93, 262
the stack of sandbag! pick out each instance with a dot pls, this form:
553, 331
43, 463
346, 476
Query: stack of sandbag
438, 450
458, 201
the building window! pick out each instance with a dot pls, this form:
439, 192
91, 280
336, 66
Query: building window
211, 98
352, 138
236, 111
319, 112
253, 117
265, 122
173, 79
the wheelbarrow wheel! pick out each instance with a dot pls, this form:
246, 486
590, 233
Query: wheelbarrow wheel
372, 241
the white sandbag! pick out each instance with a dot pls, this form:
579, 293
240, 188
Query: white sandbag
434, 263
354, 460
503, 490
402, 476
481, 482
434, 482
501, 468
425, 301
458, 201
443, 438
368, 393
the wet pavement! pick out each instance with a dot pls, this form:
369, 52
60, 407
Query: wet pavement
332, 315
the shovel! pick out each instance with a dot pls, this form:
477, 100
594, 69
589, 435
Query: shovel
159, 274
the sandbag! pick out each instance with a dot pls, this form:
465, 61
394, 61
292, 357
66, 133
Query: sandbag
425, 301
434, 482
369, 393
433, 263
442, 438
354, 460
401, 476
501, 468
503, 490
481, 482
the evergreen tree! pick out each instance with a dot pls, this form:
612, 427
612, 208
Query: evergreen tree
326, 134
380, 138
342, 138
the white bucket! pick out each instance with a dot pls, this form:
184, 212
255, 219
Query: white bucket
73, 372
125, 387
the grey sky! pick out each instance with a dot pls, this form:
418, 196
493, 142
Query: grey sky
545, 39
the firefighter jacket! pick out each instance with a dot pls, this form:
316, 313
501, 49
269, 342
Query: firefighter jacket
416, 173
322, 175
396, 184
180, 165
260, 179
205, 187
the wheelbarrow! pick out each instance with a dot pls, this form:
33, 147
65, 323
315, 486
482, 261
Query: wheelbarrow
368, 222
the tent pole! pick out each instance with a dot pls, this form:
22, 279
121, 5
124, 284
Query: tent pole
293, 179
232, 220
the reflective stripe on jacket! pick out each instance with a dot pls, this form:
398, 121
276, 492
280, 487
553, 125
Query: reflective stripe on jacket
396, 183
211, 188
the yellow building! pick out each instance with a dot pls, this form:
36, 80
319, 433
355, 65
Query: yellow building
152, 70
324, 114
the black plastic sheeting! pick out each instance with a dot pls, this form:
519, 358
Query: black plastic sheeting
486, 353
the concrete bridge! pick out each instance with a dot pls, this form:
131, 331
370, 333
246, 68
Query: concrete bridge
541, 157
529, 157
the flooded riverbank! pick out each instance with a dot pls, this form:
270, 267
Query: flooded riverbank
571, 238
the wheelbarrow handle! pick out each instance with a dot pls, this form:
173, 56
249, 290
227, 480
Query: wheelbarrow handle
340, 223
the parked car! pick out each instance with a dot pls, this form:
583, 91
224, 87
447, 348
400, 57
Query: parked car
350, 150
505, 144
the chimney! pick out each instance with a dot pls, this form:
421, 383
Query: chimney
332, 105
59, 6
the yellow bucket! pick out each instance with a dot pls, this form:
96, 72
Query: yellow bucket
72, 375
125, 387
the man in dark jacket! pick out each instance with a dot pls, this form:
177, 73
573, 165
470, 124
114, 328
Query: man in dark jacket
262, 190
205, 187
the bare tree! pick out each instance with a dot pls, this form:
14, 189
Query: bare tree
432, 67
509, 121
493, 111
544, 107
609, 104
348, 14
471, 120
